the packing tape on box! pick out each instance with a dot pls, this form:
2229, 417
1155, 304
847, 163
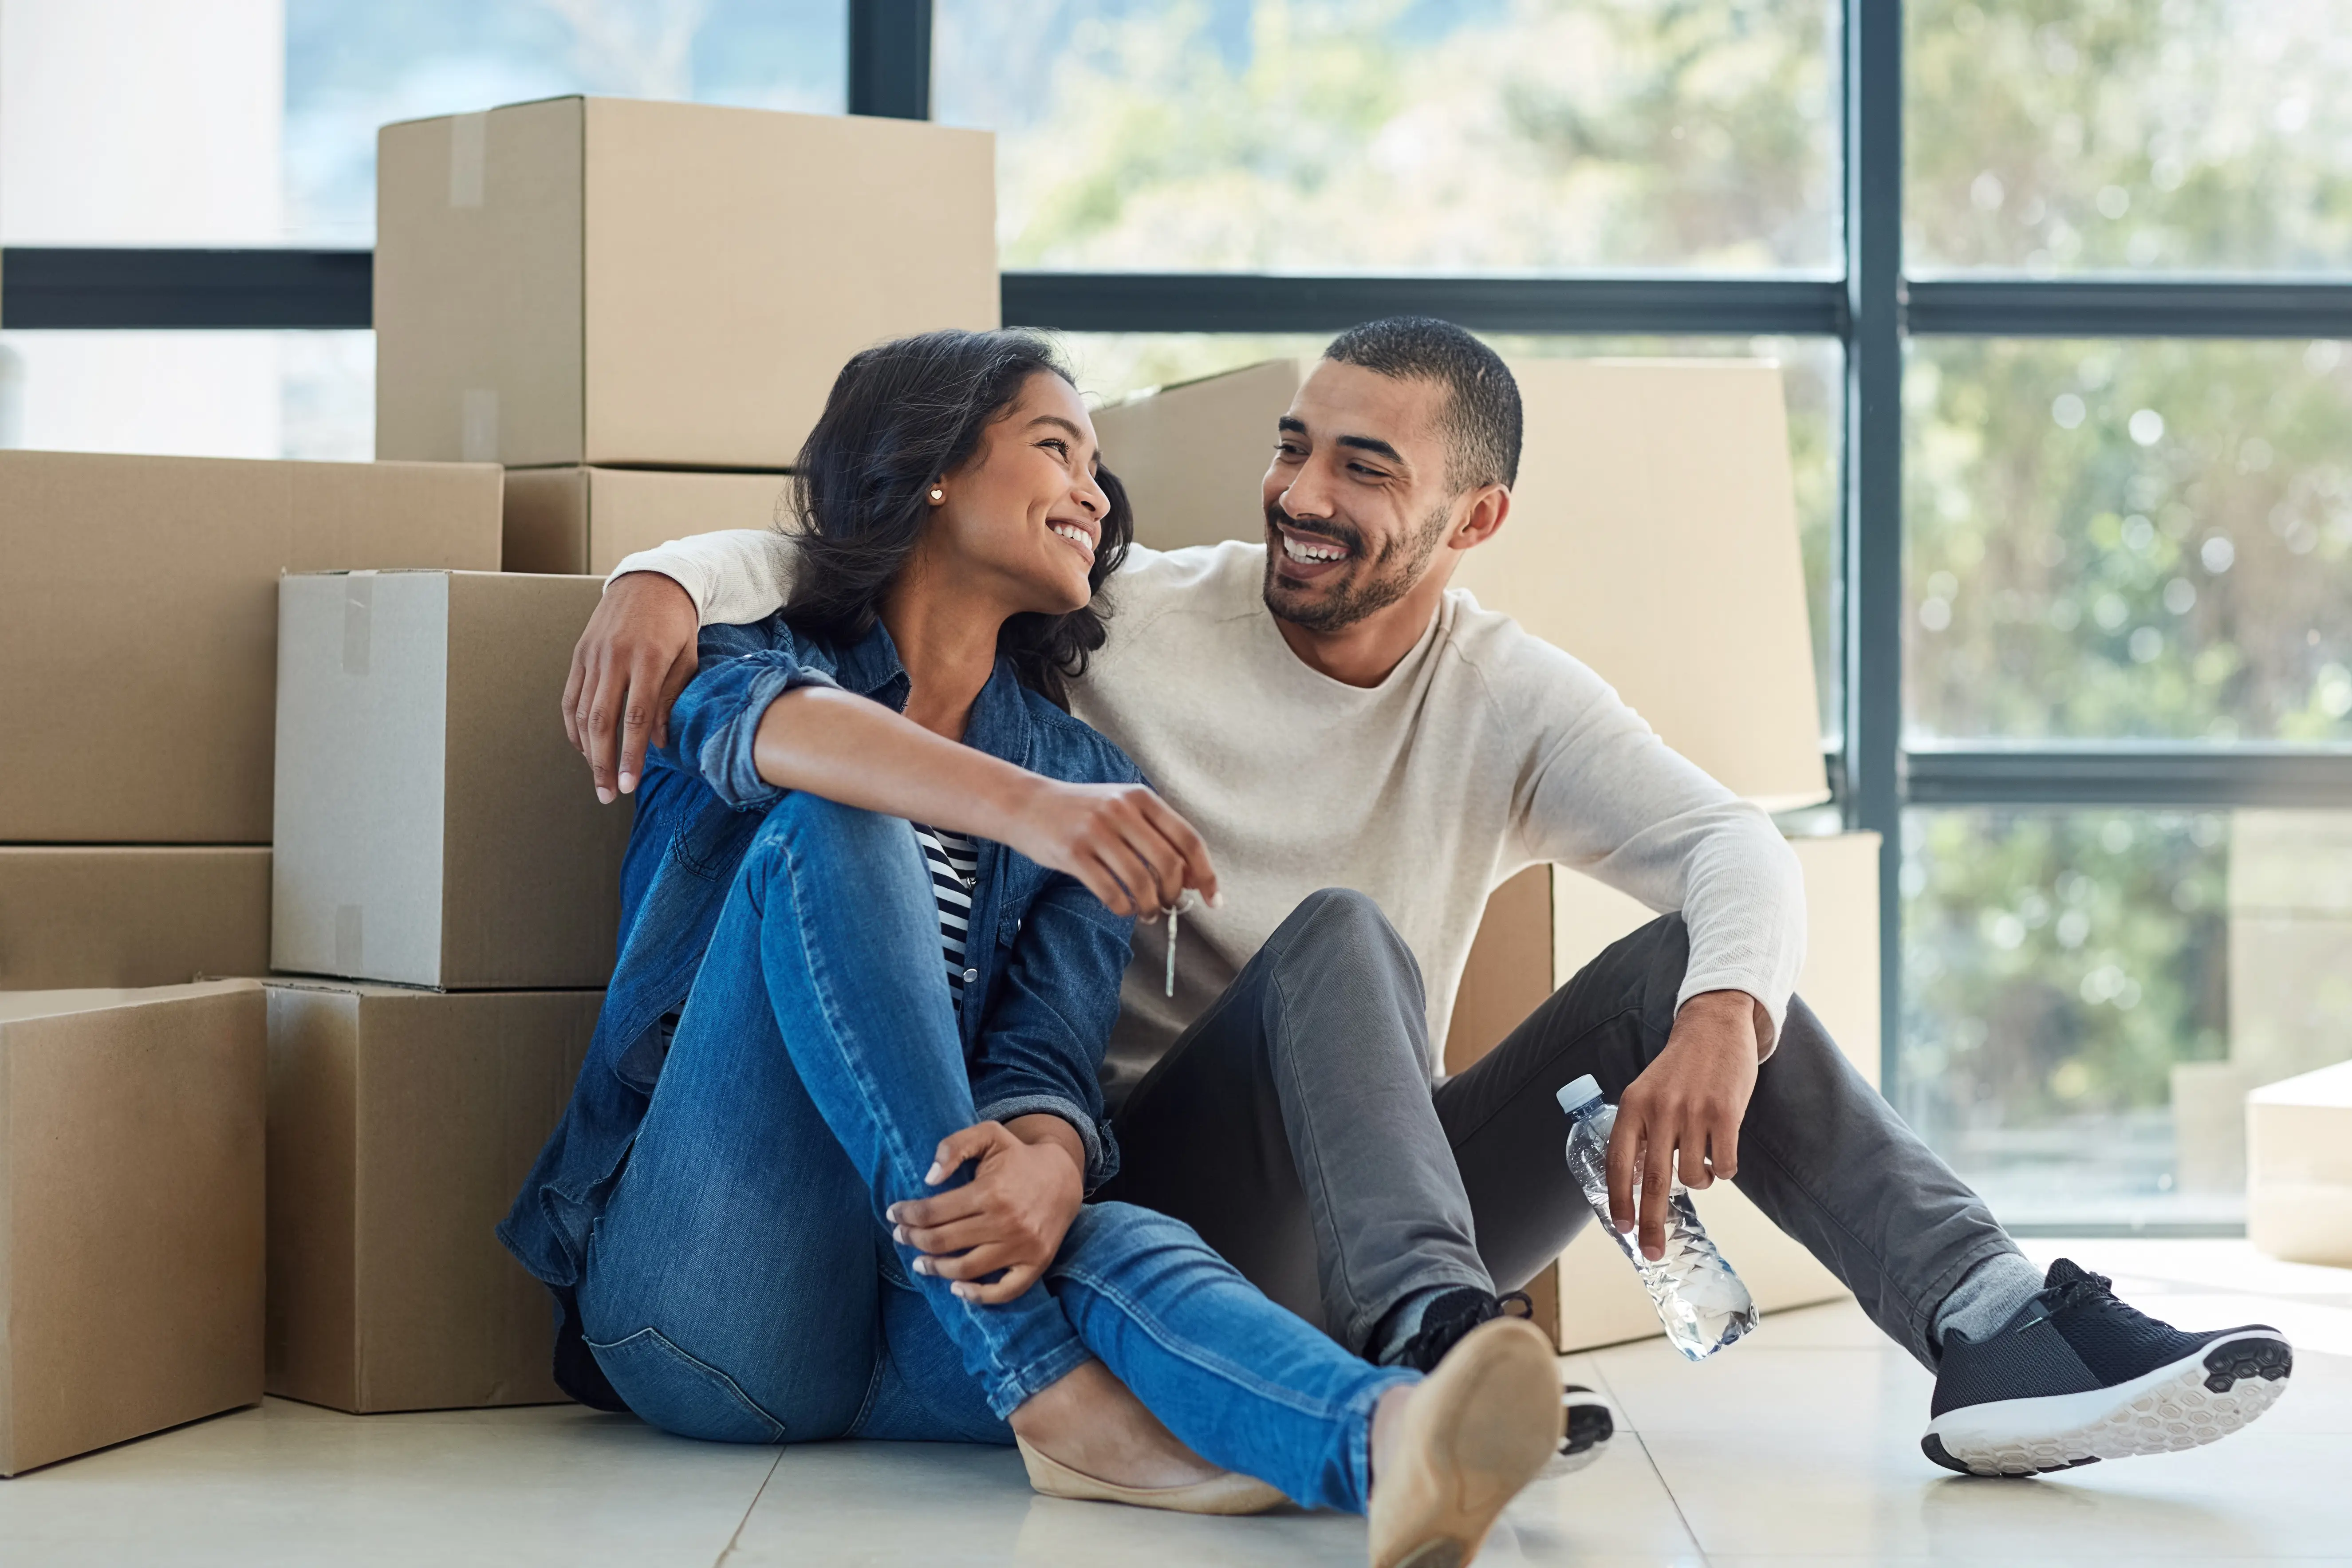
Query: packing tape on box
469, 139
478, 425
359, 622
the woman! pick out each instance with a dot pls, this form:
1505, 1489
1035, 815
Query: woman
823, 1173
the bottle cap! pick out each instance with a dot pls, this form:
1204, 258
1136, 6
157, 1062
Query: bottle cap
1580, 1093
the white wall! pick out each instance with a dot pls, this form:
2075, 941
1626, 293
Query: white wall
141, 123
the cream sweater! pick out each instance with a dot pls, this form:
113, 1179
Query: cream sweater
1485, 751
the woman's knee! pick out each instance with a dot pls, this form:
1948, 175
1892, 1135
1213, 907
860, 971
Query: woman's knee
815, 838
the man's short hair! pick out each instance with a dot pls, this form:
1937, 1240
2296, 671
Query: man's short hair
1481, 422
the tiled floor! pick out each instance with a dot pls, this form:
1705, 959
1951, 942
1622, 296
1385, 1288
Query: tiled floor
1799, 1447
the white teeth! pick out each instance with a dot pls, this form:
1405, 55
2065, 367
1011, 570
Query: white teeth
1298, 552
1077, 536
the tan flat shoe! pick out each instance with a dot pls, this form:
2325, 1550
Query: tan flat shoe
1226, 1492
1475, 1432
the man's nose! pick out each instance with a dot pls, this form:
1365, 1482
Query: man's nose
1308, 496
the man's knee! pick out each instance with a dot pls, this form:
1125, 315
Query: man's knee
1344, 924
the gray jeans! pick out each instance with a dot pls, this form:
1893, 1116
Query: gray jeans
1294, 1126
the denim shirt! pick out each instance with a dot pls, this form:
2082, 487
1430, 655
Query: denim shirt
1046, 954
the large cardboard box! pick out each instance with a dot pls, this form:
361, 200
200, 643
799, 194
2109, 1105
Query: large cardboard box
581, 520
598, 280
1544, 925
1193, 456
402, 1124
97, 915
2299, 1167
138, 624
1653, 535
434, 826
131, 1212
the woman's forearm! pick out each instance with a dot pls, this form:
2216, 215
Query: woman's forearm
850, 748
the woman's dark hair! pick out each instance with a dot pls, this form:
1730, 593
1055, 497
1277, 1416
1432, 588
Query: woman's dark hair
900, 415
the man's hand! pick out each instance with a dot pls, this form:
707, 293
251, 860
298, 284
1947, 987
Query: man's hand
1130, 848
628, 666
1012, 1215
1682, 1114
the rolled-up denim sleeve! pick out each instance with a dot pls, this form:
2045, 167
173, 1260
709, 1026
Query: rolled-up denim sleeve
714, 724
1041, 1047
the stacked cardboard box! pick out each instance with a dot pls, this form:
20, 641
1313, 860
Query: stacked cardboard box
131, 1212
434, 831
647, 303
1653, 533
137, 617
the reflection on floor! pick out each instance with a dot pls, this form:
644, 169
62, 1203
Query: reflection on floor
1801, 1446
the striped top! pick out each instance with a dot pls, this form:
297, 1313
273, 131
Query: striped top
954, 861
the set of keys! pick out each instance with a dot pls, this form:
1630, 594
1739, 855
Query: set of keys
1185, 904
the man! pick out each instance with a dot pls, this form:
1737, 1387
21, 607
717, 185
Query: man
1369, 754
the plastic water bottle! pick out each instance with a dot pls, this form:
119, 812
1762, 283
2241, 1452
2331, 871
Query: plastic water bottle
1701, 1302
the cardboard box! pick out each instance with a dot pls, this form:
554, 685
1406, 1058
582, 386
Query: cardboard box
434, 826
1653, 535
139, 624
586, 519
402, 1124
131, 1214
1193, 456
1592, 1297
97, 915
2299, 1167
598, 280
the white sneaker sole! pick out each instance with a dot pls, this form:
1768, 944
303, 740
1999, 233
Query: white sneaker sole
2196, 1400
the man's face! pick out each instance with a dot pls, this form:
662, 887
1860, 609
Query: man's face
1358, 499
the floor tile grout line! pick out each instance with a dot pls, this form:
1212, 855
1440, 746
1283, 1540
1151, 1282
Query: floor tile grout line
1689, 1533
735, 1538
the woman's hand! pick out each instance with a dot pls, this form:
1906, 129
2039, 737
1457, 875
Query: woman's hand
1011, 1215
1128, 845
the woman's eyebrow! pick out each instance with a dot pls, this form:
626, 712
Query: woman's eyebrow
1056, 419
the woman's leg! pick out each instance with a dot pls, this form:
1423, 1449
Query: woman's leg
1244, 1383
741, 1284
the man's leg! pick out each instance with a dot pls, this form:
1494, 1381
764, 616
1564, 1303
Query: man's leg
1291, 1126
1821, 1153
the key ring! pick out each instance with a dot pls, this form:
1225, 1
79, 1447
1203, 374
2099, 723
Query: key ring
1186, 902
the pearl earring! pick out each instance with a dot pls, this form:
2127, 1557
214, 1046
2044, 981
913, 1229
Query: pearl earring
937, 494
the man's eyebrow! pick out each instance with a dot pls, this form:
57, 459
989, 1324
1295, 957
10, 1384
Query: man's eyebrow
1376, 447
1290, 426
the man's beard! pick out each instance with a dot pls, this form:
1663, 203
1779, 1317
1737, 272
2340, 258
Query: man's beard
1373, 583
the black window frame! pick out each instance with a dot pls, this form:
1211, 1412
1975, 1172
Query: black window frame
1870, 311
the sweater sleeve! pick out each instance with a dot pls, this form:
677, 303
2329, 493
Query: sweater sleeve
734, 577
1603, 795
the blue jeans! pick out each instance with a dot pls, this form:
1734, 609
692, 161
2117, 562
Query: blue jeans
742, 1285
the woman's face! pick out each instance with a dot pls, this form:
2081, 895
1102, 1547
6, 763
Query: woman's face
1023, 509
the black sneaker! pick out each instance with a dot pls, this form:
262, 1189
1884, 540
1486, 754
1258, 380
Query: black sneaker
2076, 1376
1587, 1422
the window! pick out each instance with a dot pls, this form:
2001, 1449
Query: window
2144, 539
1383, 135
2186, 135
2089, 994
